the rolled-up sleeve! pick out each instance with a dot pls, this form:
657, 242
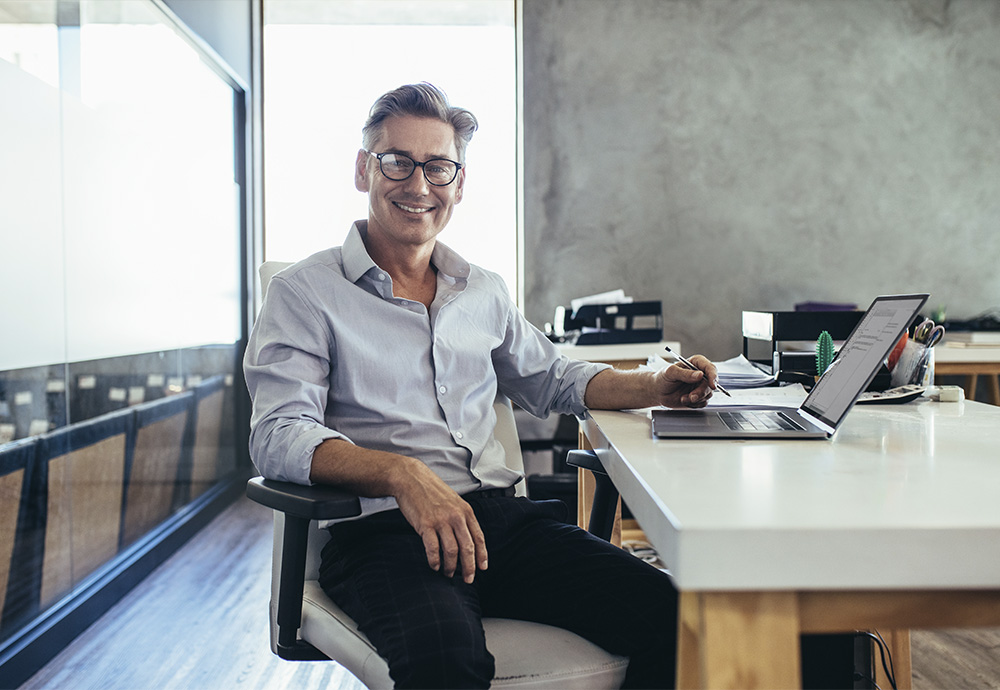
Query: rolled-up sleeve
287, 369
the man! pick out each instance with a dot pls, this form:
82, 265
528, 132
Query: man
374, 366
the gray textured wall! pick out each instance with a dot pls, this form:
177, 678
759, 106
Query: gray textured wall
723, 155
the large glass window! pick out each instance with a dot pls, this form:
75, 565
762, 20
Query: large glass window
120, 221
325, 63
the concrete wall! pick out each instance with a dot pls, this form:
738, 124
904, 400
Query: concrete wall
725, 155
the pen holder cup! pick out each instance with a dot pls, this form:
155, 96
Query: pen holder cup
915, 366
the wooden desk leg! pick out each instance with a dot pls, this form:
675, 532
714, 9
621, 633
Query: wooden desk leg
688, 637
898, 644
739, 640
970, 386
995, 389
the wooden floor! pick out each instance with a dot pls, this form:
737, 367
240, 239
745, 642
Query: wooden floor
200, 621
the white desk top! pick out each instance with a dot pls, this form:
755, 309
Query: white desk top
904, 496
617, 352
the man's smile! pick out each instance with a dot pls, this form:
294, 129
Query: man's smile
413, 209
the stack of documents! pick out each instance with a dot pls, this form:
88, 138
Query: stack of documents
734, 374
738, 372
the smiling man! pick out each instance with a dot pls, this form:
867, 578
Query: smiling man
374, 366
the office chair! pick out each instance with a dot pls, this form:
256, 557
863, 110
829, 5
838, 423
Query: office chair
307, 625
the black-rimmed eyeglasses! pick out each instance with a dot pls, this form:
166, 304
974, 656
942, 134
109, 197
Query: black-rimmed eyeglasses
439, 172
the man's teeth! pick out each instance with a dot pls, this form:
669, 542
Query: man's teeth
412, 209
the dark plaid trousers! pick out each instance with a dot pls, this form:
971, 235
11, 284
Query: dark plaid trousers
428, 627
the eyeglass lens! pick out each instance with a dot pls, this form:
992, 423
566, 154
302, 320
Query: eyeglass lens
439, 171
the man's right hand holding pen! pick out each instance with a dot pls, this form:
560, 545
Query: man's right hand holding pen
681, 385
693, 367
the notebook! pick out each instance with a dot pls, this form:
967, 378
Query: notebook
826, 406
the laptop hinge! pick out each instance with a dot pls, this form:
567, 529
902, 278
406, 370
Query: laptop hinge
816, 422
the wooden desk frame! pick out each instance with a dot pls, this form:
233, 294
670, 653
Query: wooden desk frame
751, 639
971, 371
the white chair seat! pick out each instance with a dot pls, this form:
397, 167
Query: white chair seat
557, 657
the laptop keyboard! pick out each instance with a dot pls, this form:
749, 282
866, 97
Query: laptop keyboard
758, 420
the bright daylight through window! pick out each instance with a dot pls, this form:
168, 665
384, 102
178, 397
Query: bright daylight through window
327, 62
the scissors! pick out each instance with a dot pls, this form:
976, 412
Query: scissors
928, 334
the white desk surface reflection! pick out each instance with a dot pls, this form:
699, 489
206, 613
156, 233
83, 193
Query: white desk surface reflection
904, 496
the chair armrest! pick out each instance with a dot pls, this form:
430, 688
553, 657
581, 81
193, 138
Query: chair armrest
300, 504
605, 501
587, 459
317, 502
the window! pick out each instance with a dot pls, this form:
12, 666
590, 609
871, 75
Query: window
121, 222
323, 70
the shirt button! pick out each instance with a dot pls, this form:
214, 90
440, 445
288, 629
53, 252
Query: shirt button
381, 276
443, 389
459, 435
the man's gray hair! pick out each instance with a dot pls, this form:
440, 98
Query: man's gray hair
420, 100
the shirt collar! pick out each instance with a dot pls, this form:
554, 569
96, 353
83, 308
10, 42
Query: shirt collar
357, 262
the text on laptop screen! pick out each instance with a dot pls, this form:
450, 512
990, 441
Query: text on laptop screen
860, 356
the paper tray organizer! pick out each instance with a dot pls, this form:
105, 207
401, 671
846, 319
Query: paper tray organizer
607, 324
764, 331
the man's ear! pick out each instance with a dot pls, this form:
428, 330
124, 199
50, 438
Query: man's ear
460, 191
361, 171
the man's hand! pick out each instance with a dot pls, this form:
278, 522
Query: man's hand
679, 386
453, 540
446, 523
676, 386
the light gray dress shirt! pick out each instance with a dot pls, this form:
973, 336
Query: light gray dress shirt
334, 354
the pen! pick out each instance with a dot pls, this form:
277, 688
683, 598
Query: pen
687, 363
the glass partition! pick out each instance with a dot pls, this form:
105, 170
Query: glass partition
120, 295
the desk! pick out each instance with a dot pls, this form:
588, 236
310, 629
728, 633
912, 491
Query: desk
893, 524
970, 362
621, 355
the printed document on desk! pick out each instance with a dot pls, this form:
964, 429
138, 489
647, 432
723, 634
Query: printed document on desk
735, 373
773, 397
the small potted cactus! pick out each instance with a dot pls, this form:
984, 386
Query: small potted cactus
824, 353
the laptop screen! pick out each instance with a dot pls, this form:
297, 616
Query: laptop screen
860, 356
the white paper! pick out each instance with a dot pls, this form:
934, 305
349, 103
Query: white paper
610, 297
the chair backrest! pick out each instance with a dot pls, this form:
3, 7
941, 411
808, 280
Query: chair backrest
267, 270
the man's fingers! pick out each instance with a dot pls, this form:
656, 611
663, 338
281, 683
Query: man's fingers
482, 558
460, 548
449, 552
473, 550
432, 549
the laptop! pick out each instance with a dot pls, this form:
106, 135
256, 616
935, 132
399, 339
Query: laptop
826, 406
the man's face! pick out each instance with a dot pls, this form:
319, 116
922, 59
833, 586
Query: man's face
410, 211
